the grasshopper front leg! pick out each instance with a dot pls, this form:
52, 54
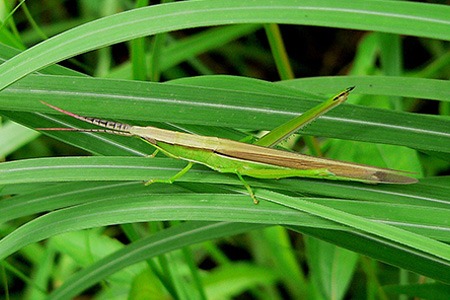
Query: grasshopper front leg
173, 178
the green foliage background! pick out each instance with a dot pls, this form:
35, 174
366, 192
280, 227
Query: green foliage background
71, 222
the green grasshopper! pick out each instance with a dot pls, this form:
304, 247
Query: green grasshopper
256, 160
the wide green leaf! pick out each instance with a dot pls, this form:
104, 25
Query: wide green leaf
192, 104
428, 20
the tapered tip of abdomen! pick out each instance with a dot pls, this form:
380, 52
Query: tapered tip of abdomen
385, 177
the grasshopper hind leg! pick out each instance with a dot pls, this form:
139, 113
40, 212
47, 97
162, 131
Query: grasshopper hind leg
248, 187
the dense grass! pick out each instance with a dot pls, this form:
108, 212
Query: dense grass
74, 224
